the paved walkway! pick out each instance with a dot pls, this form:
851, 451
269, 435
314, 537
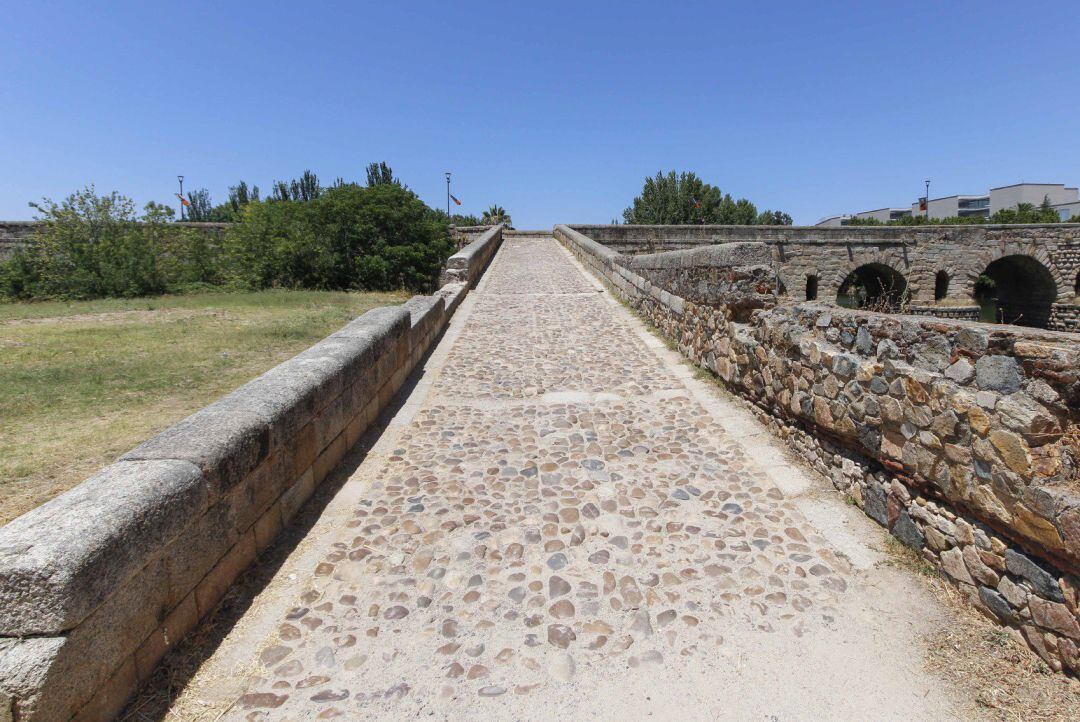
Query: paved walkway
562, 522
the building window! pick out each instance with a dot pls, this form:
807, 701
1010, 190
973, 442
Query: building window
811, 288
941, 285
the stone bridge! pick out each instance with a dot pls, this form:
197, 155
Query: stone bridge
511, 499
1036, 267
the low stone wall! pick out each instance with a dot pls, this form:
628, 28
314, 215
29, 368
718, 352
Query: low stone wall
467, 265
918, 253
99, 583
963, 313
960, 437
15, 235
1065, 315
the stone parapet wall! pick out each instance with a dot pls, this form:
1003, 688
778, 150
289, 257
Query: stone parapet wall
15, 235
918, 253
960, 437
1065, 315
99, 583
468, 264
962, 313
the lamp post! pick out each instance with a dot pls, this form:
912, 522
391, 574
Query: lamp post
181, 179
448, 195
927, 199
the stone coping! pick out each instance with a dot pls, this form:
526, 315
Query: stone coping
469, 263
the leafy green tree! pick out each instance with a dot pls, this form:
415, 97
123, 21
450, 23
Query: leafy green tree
458, 219
239, 196
773, 218
90, 246
683, 198
380, 237
380, 173
494, 215
305, 188
201, 208
1027, 213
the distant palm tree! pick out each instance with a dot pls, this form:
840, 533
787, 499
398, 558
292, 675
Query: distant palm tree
496, 214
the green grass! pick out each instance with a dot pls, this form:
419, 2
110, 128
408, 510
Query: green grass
83, 382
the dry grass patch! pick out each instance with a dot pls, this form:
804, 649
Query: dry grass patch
1004, 679
83, 382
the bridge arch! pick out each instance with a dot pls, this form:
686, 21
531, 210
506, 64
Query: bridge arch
1016, 289
874, 286
981, 259
941, 285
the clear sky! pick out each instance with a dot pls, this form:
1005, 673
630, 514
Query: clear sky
555, 110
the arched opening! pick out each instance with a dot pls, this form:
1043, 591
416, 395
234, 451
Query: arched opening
811, 288
1017, 290
941, 285
875, 287
1076, 284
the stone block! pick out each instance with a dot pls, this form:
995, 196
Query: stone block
952, 561
267, 527
907, 531
62, 560
295, 496
225, 440
1054, 616
998, 605
1044, 583
214, 585
195, 552
998, 373
874, 504
111, 697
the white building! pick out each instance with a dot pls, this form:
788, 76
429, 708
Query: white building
1065, 200
950, 206
834, 221
1068, 211
885, 214
1033, 193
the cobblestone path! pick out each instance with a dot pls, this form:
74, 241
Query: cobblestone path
560, 527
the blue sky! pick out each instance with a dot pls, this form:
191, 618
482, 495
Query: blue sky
555, 110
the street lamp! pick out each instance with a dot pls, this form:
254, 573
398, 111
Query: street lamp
447, 195
181, 179
927, 199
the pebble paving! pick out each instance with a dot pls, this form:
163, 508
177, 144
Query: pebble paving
559, 502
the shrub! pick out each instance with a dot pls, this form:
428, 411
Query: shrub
380, 237
89, 246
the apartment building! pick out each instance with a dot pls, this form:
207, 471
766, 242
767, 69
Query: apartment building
1064, 199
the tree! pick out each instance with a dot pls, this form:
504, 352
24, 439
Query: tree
496, 214
683, 198
773, 218
239, 196
380, 237
380, 173
89, 246
304, 189
458, 219
200, 209
1027, 213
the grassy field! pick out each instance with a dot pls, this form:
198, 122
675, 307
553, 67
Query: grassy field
83, 382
